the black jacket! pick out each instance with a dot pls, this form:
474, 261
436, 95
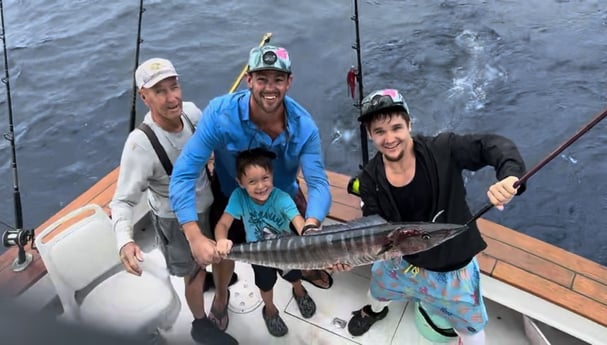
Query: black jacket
444, 157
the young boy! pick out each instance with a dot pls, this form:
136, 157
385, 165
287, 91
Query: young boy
266, 212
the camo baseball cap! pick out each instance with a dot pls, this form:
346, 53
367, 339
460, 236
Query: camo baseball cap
269, 57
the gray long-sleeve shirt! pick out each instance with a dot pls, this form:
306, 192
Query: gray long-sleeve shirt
141, 171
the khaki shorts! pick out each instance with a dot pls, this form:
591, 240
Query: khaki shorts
174, 245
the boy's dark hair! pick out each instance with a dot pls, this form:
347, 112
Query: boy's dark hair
257, 156
386, 114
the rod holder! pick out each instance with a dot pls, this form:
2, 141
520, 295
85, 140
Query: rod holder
19, 238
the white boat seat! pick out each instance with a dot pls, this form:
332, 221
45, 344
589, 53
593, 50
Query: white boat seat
80, 254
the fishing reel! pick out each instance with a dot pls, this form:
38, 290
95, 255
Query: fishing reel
19, 238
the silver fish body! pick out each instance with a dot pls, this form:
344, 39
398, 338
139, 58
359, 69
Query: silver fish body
359, 242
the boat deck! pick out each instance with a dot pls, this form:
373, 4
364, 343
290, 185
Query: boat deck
517, 268
334, 306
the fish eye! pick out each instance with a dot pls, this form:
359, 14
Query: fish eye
426, 236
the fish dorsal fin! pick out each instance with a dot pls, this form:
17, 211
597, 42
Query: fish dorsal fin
354, 224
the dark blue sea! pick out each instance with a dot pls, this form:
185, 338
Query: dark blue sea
532, 70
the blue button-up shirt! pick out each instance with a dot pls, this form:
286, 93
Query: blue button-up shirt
225, 129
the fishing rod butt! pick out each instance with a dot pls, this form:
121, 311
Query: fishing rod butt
19, 238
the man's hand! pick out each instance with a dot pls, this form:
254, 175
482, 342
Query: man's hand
130, 255
224, 246
501, 192
203, 249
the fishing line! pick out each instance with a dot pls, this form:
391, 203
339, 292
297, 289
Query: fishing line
548, 158
16, 236
138, 44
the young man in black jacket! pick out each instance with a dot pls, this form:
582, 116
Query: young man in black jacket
420, 179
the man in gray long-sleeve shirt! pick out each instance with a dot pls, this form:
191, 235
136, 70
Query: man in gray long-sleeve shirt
141, 170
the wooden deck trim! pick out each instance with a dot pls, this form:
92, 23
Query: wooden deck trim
563, 278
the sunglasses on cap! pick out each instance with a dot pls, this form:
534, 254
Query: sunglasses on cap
382, 100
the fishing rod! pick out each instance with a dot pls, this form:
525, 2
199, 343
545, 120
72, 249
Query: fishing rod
264, 40
548, 158
16, 236
139, 40
358, 74
355, 75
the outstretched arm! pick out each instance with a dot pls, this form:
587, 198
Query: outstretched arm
182, 194
313, 169
476, 151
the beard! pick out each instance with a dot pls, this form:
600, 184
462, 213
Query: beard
398, 157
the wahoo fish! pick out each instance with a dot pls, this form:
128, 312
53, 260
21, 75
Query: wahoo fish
358, 242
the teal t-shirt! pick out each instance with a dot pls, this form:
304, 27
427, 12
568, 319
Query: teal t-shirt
265, 221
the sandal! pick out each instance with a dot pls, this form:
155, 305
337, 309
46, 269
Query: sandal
276, 326
220, 318
306, 304
315, 276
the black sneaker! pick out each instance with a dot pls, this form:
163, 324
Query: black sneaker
364, 318
203, 332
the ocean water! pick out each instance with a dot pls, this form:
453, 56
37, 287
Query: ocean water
532, 70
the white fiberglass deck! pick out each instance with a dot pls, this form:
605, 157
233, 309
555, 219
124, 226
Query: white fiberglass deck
348, 293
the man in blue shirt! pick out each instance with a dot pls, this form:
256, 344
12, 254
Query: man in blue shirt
261, 116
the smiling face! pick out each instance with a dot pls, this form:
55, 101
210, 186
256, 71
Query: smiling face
165, 103
391, 134
258, 182
268, 89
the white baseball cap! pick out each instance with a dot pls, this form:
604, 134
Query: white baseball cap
152, 71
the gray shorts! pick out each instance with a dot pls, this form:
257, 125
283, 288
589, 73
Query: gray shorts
175, 246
